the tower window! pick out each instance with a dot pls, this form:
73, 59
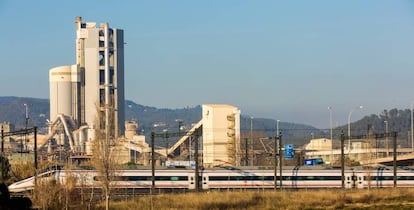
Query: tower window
101, 77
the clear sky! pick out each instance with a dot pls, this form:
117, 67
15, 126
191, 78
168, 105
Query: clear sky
286, 60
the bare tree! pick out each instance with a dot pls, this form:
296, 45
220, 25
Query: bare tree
103, 158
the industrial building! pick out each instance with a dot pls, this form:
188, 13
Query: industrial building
89, 95
221, 135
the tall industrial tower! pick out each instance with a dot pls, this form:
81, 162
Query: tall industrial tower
221, 135
100, 58
91, 92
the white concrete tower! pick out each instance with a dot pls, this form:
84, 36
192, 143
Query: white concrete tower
221, 135
100, 57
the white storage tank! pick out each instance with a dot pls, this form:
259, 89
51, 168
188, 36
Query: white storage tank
60, 91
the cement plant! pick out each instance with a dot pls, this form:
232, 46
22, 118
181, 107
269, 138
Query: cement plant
87, 110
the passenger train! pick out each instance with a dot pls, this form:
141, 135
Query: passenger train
229, 178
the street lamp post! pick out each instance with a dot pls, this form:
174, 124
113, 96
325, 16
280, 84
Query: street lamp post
26, 106
330, 126
277, 127
251, 141
330, 120
412, 128
349, 127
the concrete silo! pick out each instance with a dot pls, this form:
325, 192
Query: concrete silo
61, 90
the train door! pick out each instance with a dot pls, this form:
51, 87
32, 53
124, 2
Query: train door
191, 182
360, 181
204, 181
348, 181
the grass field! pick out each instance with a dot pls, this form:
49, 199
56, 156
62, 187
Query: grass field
400, 198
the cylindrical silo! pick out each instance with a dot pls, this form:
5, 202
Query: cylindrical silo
60, 91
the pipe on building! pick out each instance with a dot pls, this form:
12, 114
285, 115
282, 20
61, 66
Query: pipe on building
107, 75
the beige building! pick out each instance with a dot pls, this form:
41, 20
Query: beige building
221, 135
362, 151
322, 144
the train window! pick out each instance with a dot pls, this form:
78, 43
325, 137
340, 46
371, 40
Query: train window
138, 178
162, 178
219, 178
119, 178
380, 178
149, 178
404, 177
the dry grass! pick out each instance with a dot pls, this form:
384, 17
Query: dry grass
312, 199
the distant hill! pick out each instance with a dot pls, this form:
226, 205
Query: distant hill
153, 119
397, 120
12, 110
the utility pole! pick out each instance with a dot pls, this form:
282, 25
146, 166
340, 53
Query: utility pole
152, 163
2, 156
395, 158
275, 162
246, 159
197, 166
27, 123
251, 141
2, 140
35, 148
342, 160
386, 137
280, 159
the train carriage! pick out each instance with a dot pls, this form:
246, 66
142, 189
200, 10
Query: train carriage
227, 178
236, 178
383, 177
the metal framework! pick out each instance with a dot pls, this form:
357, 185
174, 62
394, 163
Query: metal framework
196, 135
21, 132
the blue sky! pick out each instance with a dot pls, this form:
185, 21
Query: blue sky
286, 60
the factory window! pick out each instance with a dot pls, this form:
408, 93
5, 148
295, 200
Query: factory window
101, 59
111, 77
101, 97
101, 77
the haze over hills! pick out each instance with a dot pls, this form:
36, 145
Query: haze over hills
158, 120
149, 118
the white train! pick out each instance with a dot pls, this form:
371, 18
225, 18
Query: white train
228, 178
